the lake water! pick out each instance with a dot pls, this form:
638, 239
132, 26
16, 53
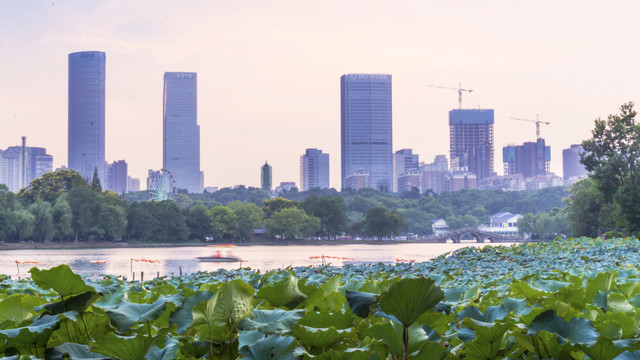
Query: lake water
171, 260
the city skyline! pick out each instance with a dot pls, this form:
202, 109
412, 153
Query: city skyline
560, 62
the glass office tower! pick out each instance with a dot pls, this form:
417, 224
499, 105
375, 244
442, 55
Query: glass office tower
86, 113
314, 170
181, 132
366, 128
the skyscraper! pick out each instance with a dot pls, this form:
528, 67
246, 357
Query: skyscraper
403, 160
366, 128
529, 159
19, 165
86, 113
265, 177
572, 169
117, 178
181, 132
314, 169
471, 140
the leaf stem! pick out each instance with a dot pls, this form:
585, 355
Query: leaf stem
405, 342
86, 329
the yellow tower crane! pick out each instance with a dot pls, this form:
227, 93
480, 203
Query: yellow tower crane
537, 121
459, 89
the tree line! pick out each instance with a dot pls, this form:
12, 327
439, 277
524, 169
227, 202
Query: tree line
62, 206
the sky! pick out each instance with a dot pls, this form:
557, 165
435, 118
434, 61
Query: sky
269, 73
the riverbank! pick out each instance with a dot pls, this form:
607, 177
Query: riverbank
111, 245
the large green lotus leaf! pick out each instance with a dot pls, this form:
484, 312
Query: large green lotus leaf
520, 287
77, 303
72, 351
331, 302
519, 306
491, 314
320, 338
168, 352
183, 316
629, 289
603, 281
577, 329
282, 293
549, 285
249, 337
454, 295
124, 347
491, 334
35, 334
609, 329
547, 346
323, 319
603, 349
410, 298
437, 321
616, 302
272, 347
600, 299
195, 349
628, 355
127, 314
97, 327
61, 279
360, 302
390, 333
432, 351
232, 303
17, 308
630, 324
271, 321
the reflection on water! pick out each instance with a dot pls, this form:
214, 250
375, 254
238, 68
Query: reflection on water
173, 260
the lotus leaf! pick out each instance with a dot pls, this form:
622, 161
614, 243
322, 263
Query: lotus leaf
133, 347
36, 334
360, 302
77, 303
410, 298
61, 279
577, 329
183, 316
72, 351
127, 314
282, 293
168, 352
390, 333
272, 347
320, 338
271, 321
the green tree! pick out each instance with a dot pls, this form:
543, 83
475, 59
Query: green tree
292, 223
198, 222
331, 212
62, 218
51, 185
223, 222
380, 222
44, 228
141, 224
272, 206
24, 223
248, 217
588, 210
611, 156
83, 203
95, 182
418, 221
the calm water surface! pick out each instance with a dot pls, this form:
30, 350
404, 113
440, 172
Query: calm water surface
171, 260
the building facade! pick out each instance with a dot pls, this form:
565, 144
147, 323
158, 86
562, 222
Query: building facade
21, 165
403, 160
471, 140
572, 169
86, 127
529, 159
266, 177
133, 184
433, 174
117, 177
358, 179
314, 169
181, 132
366, 128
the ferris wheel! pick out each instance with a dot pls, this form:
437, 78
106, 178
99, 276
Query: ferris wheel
163, 186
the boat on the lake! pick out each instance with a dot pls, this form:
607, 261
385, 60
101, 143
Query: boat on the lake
214, 258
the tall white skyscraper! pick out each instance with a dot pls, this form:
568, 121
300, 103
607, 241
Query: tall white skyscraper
314, 169
181, 132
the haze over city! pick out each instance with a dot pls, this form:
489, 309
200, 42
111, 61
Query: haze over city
269, 74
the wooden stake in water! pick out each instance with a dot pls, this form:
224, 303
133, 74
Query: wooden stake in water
141, 275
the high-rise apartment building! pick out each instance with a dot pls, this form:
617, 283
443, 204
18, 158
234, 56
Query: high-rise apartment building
86, 113
266, 177
433, 174
572, 168
471, 140
314, 169
19, 165
403, 160
529, 159
133, 184
366, 129
181, 132
117, 177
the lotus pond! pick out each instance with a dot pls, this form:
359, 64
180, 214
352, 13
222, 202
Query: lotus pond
566, 299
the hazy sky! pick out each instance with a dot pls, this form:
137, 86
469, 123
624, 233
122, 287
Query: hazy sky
269, 73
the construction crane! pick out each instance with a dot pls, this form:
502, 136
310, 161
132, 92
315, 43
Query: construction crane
537, 121
459, 89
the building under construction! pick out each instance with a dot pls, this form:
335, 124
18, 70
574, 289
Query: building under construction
471, 141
